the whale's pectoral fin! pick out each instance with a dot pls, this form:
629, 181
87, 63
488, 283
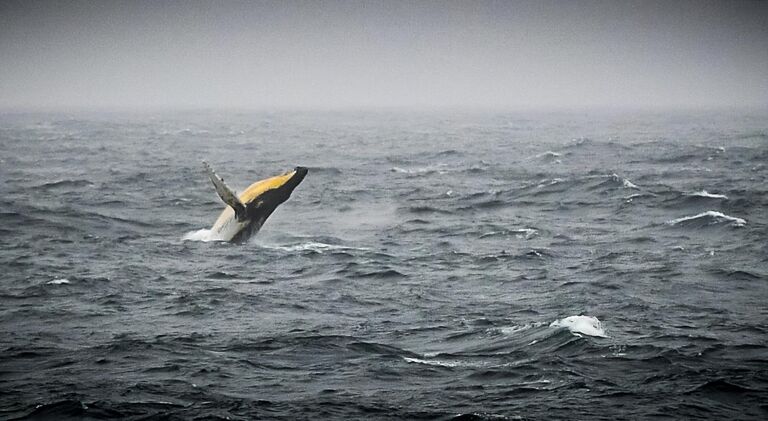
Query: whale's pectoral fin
226, 194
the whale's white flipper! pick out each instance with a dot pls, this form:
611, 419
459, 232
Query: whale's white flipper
226, 194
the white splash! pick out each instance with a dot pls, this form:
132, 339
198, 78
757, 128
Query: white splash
199, 235
738, 222
58, 281
578, 325
705, 193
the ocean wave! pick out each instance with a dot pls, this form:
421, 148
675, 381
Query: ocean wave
64, 184
58, 281
589, 182
510, 330
708, 218
578, 325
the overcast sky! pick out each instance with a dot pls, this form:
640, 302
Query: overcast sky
329, 54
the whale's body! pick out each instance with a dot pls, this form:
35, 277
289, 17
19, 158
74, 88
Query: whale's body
246, 213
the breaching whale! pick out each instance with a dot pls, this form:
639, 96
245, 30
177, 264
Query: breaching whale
245, 214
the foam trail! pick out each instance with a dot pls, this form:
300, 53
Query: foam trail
718, 216
578, 325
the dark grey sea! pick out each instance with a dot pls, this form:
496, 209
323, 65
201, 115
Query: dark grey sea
432, 265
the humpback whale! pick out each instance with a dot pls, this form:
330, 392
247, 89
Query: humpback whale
246, 213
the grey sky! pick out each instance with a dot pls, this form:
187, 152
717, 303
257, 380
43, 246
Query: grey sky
380, 54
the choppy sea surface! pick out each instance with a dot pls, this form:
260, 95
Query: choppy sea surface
432, 265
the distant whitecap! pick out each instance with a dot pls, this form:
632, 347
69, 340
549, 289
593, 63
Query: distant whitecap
705, 193
315, 246
715, 216
58, 281
430, 169
624, 182
628, 184
444, 363
438, 363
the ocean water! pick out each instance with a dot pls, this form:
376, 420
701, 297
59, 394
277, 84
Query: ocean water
432, 265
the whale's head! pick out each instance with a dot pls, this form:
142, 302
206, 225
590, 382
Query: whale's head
262, 197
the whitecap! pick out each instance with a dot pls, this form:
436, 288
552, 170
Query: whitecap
58, 281
705, 193
624, 182
525, 232
520, 233
444, 363
718, 216
578, 325
438, 363
313, 246
628, 184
